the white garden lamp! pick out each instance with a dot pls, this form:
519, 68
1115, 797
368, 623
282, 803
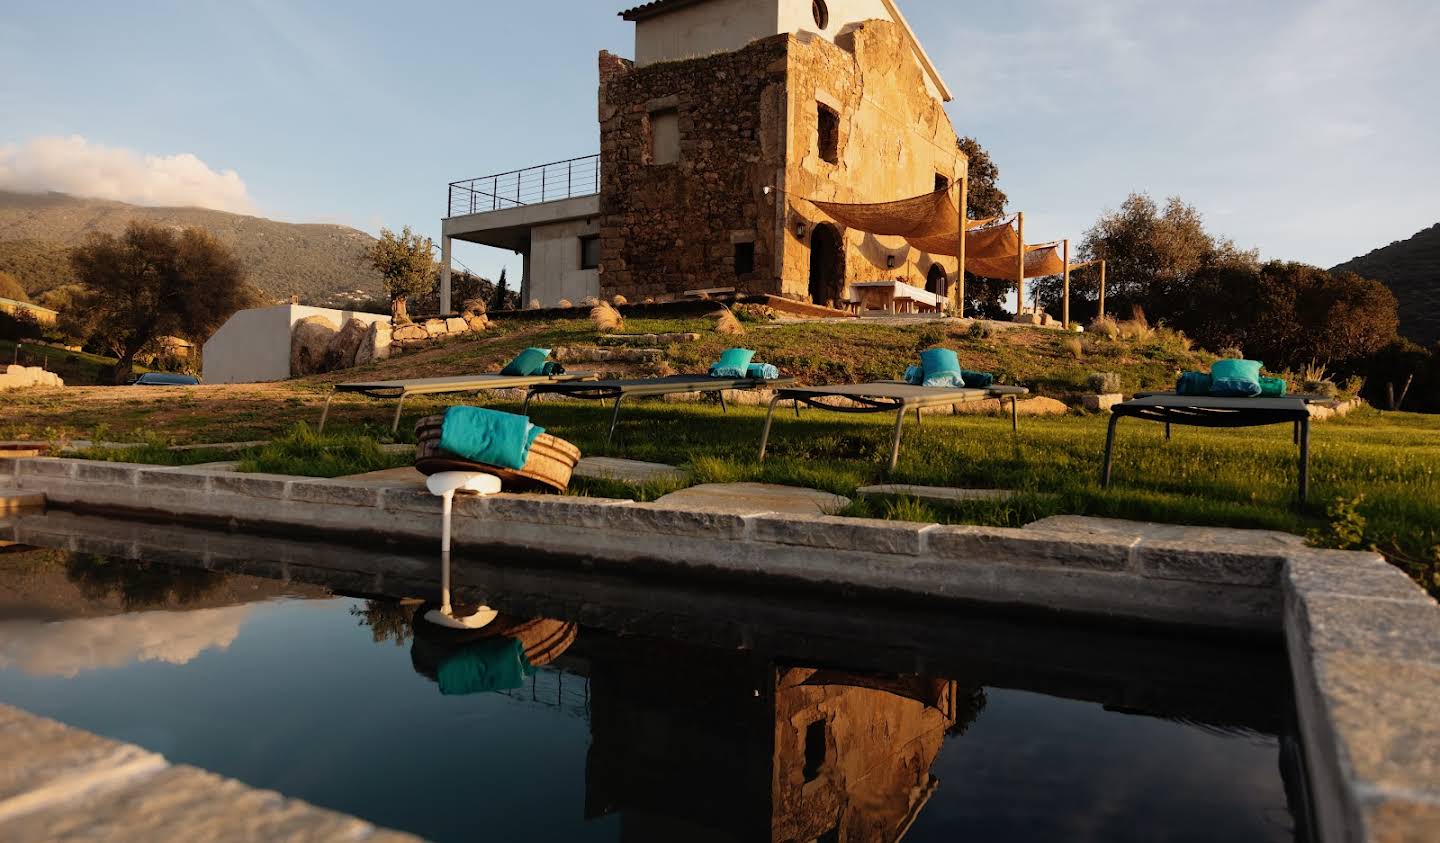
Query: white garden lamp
445, 485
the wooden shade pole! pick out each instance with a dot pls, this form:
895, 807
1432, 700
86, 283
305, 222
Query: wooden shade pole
960, 249
1020, 266
1065, 308
1102, 289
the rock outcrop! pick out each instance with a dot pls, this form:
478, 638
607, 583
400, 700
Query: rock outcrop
310, 340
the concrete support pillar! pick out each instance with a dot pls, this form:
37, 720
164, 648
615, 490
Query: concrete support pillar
524, 280
445, 307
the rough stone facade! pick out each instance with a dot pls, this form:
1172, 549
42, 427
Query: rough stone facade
749, 119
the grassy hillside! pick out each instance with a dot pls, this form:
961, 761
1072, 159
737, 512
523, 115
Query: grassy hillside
320, 263
1411, 269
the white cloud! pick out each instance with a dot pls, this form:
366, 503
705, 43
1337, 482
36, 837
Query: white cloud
68, 648
76, 166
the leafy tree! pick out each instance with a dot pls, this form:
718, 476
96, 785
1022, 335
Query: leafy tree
150, 282
1152, 253
501, 300
406, 267
10, 288
984, 199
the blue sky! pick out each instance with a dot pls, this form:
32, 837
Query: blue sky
1305, 129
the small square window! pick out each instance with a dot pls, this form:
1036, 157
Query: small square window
744, 258
590, 252
828, 133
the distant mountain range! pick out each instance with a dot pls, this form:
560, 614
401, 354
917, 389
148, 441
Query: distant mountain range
323, 264
1411, 269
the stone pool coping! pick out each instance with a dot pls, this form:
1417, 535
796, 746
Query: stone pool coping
61, 782
1363, 639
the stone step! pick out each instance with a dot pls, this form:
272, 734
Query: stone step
1199, 537
633, 472
935, 494
756, 497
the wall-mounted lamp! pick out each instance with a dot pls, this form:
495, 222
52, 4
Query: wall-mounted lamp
800, 229
889, 261
767, 190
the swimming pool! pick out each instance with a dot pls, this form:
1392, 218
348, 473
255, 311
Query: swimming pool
602, 709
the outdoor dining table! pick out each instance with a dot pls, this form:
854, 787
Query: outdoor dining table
893, 297
1217, 411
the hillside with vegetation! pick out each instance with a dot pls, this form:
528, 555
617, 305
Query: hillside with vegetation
1411, 269
322, 264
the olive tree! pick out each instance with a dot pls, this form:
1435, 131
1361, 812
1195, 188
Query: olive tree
406, 266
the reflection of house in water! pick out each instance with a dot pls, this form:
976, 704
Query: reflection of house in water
689, 744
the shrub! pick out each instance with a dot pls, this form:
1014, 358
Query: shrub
606, 318
754, 313
564, 304
981, 329
1103, 383
726, 323
930, 336
534, 304
1073, 347
1327, 388
619, 300
1106, 327
1232, 352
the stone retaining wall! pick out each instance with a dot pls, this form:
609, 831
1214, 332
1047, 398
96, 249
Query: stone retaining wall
1363, 639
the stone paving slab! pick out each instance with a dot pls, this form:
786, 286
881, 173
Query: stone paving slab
935, 494
1200, 537
61, 784
756, 497
404, 477
16, 501
634, 472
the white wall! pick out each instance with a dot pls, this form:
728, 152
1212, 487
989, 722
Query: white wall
254, 345
555, 271
717, 26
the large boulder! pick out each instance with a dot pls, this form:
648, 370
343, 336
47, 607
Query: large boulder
375, 346
409, 333
345, 345
310, 340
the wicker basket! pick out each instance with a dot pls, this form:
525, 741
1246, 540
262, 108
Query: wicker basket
547, 469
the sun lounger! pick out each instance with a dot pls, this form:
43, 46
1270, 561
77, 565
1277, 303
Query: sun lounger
402, 389
887, 397
619, 390
1212, 411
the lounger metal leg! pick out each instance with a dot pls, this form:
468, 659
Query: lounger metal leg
1014, 414
1295, 434
1304, 459
395, 425
955, 408
895, 445
525, 408
325, 413
770, 417
918, 420
797, 408
721, 395
1109, 451
614, 418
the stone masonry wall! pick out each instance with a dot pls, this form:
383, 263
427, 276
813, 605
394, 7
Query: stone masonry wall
667, 228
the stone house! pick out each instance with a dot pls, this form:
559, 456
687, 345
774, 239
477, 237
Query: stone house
732, 115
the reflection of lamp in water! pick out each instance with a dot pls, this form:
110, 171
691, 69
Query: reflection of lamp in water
445, 484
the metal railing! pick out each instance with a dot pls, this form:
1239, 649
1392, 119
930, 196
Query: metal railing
541, 183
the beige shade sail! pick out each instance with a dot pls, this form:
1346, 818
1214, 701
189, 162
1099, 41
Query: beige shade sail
992, 238
1040, 261
930, 223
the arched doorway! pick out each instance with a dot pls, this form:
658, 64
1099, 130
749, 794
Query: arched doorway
827, 264
937, 280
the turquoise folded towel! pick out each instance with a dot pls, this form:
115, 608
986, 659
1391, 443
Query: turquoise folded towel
1193, 383
733, 363
762, 372
1273, 387
491, 664
488, 436
527, 363
552, 368
915, 375
1235, 378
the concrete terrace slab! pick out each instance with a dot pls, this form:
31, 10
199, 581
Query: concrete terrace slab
756, 497
634, 472
60, 783
1198, 537
935, 494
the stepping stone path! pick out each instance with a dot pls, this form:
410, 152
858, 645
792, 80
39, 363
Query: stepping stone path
1195, 536
756, 497
935, 494
633, 472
